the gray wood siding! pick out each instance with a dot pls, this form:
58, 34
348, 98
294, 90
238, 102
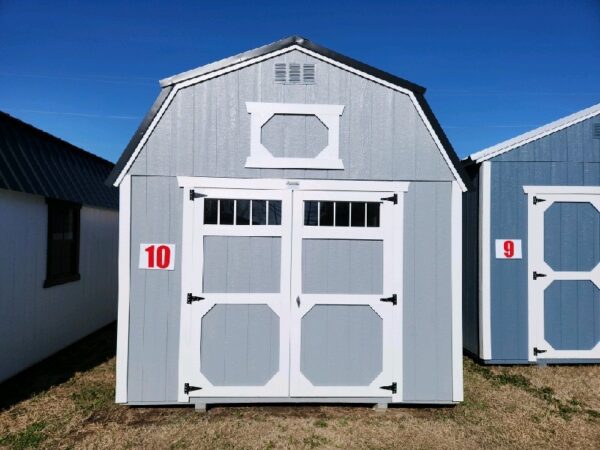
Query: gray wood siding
427, 293
37, 322
156, 215
206, 129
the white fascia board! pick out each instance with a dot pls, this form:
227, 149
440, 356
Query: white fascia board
538, 133
123, 290
249, 62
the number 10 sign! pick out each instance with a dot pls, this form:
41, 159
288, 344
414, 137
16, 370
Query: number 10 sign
157, 256
508, 249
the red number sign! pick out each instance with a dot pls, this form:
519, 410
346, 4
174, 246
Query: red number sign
509, 249
157, 256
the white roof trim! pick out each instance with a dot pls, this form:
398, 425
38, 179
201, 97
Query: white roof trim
195, 80
538, 133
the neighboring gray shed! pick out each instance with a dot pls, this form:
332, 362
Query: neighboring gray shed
58, 235
306, 211
532, 246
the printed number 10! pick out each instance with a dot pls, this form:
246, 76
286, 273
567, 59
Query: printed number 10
158, 256
509, 249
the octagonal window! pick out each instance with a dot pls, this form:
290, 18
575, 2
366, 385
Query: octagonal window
294, 136
341, 345
572, 236
572, 315
239, 345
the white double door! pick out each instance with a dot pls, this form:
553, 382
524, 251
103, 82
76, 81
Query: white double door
564, 273
291, 293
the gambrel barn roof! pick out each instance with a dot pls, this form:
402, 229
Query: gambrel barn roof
35, 162
172, 84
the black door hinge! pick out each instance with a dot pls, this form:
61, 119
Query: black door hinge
392, 387
393, 299
194, 195
537, 275
537, 200
537, 351
192, 298
393, 199
187, 388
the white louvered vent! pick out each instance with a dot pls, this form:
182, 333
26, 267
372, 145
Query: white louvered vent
280, 73
308, 73
596, 131
295, 73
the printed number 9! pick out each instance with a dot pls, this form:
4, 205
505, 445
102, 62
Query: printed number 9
509, 249
162, 256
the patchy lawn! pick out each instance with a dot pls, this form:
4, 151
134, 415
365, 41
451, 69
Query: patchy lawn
53, 406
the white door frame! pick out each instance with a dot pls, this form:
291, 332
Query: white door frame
278, 386
536, 262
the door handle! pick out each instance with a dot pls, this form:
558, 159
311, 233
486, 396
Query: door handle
298, 301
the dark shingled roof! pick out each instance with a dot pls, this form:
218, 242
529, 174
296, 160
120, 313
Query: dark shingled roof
168, 84
36, 162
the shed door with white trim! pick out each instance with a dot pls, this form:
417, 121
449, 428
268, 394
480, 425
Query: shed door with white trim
239, 301
564, 279
345, 298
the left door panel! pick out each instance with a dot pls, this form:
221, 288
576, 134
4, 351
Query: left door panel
235, 297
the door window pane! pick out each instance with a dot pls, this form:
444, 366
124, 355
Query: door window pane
311, 213
326, 214
259, 212
373, 214
274, 212
357, 214
226, 211
342, 214
242, 212
211, 207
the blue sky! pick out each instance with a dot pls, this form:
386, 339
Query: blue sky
88, 71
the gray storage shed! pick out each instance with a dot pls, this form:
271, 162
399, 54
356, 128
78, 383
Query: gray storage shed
290, 232
532, 246
58, 242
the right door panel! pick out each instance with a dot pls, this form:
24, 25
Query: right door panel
346, 301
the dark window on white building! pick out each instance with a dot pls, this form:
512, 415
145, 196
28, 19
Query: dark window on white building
62, 260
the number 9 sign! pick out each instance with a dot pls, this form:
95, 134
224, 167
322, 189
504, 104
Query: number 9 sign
157, 256
508, 249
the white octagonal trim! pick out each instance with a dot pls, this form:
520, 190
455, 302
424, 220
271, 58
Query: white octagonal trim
261, 157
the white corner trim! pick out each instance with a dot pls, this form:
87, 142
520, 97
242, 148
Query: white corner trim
261, 157
561, 189
249, 62
485, 197
123, 290
538, 133
301, 184
457, 329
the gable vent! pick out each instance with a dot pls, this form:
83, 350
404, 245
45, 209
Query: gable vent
280, 73
295, 73
596, 131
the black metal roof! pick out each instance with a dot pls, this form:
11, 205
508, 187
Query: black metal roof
36, 162
168, 83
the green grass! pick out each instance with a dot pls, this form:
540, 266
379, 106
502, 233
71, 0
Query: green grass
30, 437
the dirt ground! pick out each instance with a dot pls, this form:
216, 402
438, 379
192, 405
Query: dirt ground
62, 404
